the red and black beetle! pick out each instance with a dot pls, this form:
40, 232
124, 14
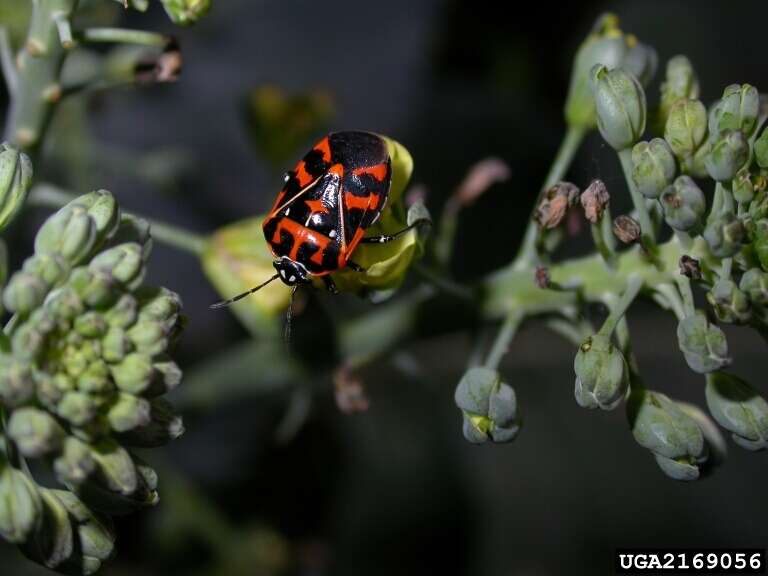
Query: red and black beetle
335, 193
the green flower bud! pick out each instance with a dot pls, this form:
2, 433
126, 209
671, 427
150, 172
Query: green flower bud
64, 304
716, 447
91, 325
50, 268
134, 373
15, 181
95, 379
115, 345
606, 45
75, 463
489, 407
730, 304
20, 504
602, 375
16, 383
186, 12
760, 242
620, 106
35, 432
123, 313
684, 205
128, 412
70, 232
52, 544
27, 342
161, 305
77, 408
124, 263
761, 150
168, 377
737, 110
653, 167
148, 337
754, 283
136, 231
703, 344
96, 289
724, 234
728, 154
94, 534
661, 426
24, 292
686, 128
742, 187
51, 389
164, 425
103, 209
738, 408
680, 84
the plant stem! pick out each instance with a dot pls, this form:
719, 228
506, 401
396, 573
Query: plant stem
123, 36
50, 196
634, 284
646, 226
684, 285
504, 338
7, 62
573, 138
38, 88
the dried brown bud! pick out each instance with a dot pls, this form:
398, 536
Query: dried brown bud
480, 177
164, 67
690, 267
541, 277
626, 229
555, 203
349, 391
595, 200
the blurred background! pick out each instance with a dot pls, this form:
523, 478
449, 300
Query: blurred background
397, 490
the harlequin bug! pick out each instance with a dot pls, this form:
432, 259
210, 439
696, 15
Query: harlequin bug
320, 216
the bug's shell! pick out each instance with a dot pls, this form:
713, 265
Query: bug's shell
335, 193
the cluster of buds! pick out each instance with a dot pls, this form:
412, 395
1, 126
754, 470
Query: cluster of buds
85, 364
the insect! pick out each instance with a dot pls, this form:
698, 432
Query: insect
321, 214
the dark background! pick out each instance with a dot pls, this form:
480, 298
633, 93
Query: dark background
397, 490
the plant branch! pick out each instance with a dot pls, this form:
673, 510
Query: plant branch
123, 36
7, 62
504, 338
646, 226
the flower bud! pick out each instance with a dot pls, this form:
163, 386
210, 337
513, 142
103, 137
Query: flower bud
728, 154
555, 203
24, 292
754, 283
95, 379
15, 181
124, 263
133, 374
168, 377
761, 150
70, 232
674, 438
602, 375
760, 242
164, 425
75, 463
730, 304
77, 408
742, 187
133, 229
148, 337
724, 234
626, 229
186, 12
653, 167
606, 45
34, 432
94, 534
64, 304
160, 305
52, 543
681, 83
703, 344
686, 128
27, 342
16, 383
595, 200
489, 407
690, 267
123, 313
91, 324
103, 210
620, 106
20, 503
96, 289
737, 110
738, 408
115, 345
128, 412
684, 205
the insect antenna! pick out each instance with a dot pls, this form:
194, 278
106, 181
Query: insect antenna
224, 303
289, 316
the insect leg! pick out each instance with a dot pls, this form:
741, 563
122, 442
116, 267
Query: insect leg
355, 266
389, 238
330, 284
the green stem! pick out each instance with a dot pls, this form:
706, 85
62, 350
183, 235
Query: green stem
684, 285
604, 248
646, 226
504, 339
7, 63
39, 69
50, 196
123, 36
573, 138
634, 284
